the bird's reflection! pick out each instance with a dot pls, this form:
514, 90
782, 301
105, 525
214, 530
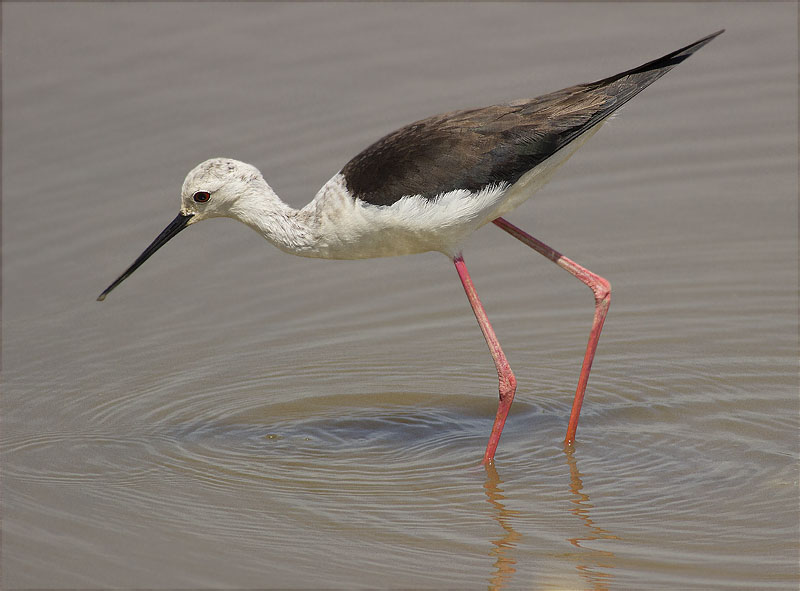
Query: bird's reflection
591, 563
503, 547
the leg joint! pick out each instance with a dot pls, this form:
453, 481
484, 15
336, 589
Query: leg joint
602, 289
508, 383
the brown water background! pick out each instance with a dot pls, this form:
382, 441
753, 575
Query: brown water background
235, 417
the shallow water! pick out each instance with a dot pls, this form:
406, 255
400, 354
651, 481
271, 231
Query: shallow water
235, 417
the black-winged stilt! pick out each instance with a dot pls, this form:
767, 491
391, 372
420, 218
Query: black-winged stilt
428, 186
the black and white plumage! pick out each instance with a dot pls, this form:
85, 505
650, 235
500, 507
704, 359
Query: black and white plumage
475, 148
427, 187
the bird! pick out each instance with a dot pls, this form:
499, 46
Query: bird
428, 186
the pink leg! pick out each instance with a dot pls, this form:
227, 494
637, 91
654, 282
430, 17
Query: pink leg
602, 299
508, 383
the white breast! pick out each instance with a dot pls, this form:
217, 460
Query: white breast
348, 228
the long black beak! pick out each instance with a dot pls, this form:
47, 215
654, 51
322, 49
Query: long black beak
175, 226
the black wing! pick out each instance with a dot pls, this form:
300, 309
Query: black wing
478, 147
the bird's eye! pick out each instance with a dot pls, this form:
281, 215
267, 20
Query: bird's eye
201, 196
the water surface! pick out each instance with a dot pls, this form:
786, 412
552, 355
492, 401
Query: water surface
233, 417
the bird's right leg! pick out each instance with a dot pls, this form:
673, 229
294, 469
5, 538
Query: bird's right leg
602, 298
508, 383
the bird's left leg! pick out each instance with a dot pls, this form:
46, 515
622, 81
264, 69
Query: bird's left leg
602, 298
508, 383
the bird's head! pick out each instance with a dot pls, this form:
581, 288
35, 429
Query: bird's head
219, 187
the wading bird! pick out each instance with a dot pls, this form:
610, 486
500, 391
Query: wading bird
427, 187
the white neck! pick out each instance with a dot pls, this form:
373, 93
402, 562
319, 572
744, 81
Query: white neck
288, 229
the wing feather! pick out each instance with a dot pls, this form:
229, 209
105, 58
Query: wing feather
471, 149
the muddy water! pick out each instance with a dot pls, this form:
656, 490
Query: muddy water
235, 417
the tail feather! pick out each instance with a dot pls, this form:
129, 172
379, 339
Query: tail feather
653, 70
575, 110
